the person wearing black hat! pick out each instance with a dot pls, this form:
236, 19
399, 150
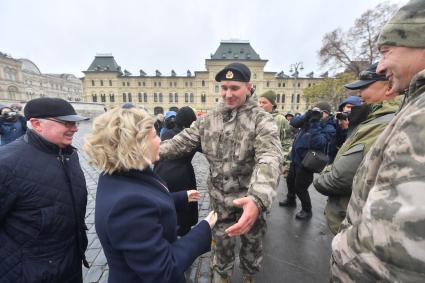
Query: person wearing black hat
43, 198
241, 144
12, 125
178, 173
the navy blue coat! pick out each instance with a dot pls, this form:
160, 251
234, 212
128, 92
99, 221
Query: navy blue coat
136, 223
43, 199
316, 136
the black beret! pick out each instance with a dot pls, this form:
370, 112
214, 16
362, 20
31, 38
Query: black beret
234, 72
46, 107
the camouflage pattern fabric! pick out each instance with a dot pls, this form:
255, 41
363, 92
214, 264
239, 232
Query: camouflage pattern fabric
383, 236
251, 252
284, 130
244, 153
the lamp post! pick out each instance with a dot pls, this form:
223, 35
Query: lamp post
294, 70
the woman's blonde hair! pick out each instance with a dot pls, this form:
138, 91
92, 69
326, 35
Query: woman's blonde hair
119, 140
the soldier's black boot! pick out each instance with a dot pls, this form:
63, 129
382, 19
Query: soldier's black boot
303, 215
288, 202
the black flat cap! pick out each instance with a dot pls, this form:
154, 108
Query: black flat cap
366, 78
234, 72
46, 107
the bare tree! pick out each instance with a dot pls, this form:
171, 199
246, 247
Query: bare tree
355, 49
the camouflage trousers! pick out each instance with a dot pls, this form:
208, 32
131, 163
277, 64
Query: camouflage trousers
286, 149
223, 247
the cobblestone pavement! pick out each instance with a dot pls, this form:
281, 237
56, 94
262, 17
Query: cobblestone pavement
293, 251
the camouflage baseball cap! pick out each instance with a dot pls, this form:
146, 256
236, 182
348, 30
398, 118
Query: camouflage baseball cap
406, 28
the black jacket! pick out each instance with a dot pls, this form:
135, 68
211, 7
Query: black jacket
43, 199
179, 175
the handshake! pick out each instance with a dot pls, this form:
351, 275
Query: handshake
313, 115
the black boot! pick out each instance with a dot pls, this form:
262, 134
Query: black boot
288, 202
303, 215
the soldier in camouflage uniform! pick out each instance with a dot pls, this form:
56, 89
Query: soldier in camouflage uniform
241, 143
267, 101
383, 236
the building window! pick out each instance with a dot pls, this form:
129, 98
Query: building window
123, 83
279, 85
203, 98
92, 83
159, 83
110, 82
154, 84
278, 98
283, 85
160, 97
139, 83
191, 98
175, 83
298, 98
216, 88
111, 97
203, 83
124, 97
145, 97
171, 83
176, 97
185, 83
170, 97
267, 84
299, 84
140, 97
283, 98
130, 99
293, 99
255, 76
101, 82
94, 97
143, 83
190, 83
186, 97
309, 84
155, 97
102, 97
128, 83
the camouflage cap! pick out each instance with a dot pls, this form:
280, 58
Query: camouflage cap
406, 28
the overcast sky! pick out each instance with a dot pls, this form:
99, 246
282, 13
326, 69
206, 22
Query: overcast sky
64, 36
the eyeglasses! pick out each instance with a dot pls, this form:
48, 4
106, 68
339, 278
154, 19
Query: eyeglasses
67, 124
368, 75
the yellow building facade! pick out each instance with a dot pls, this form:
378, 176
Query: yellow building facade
105, 82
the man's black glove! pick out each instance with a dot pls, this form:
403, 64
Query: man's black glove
308, 114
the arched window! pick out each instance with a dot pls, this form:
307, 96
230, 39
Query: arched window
145, 97
12, 92
94, 97
124, 97
283, 98
203, 83
170, 97
176, 97
186, 97
203, 98
191, 98
129, 97
298, 98
160, 97
155, 97
102, 97
140, 96
278, 98
111, 97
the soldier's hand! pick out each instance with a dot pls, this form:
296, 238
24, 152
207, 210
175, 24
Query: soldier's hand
193, 195
248, 217
211, 218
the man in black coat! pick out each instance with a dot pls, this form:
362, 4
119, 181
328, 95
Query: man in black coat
43, 198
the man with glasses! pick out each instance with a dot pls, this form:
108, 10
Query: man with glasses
382, 238
43, 198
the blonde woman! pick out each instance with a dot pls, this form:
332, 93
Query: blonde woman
135, 212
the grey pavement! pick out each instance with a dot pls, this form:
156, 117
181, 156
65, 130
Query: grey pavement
294, 251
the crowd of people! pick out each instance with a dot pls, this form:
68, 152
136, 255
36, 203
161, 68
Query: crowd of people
369, 151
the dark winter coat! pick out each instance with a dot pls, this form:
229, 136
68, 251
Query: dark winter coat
179, 175
136, 223
315, 135
11, 130
43, 199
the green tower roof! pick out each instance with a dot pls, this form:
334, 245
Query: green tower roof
104, 63
235, 50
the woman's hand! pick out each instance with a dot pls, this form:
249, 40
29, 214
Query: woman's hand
211, 218
193, 195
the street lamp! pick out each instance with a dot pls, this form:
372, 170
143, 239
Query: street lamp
294, 69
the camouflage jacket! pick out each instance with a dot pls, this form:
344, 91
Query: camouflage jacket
336, 179
243, 150
383, 236
283, 128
